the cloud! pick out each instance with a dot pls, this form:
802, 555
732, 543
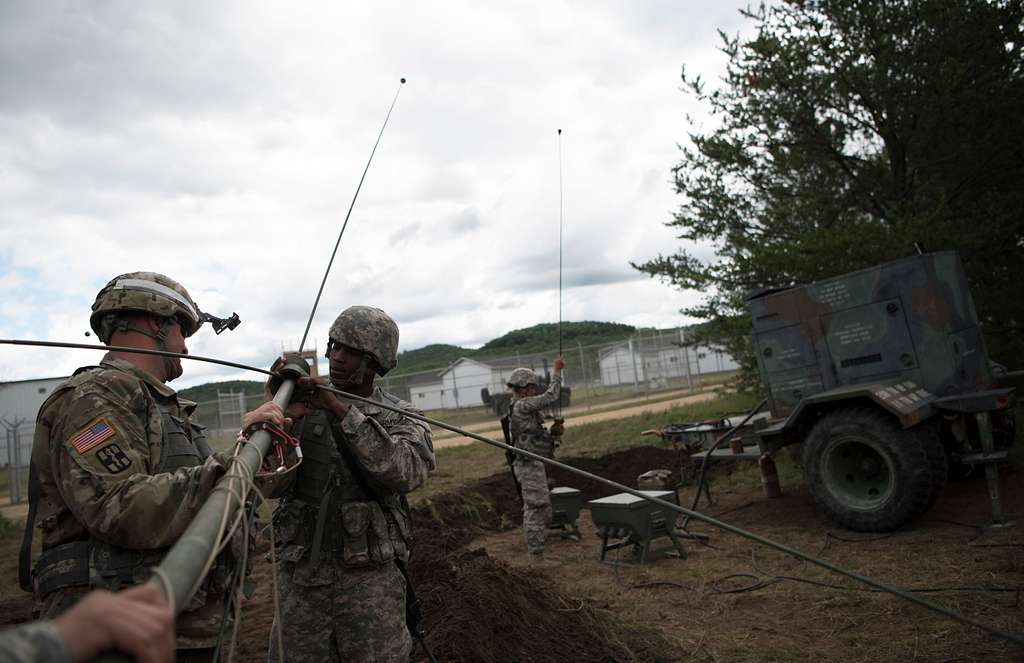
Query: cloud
222, 144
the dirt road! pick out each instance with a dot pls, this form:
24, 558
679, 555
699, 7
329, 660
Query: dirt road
630, 408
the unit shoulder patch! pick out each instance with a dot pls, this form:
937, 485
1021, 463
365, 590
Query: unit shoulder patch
92, 435
115, 460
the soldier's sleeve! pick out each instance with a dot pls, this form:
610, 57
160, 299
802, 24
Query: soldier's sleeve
541, 401
102, 462
32, 643
396, 452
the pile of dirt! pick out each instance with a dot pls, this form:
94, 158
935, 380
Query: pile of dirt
621, 466
478, 608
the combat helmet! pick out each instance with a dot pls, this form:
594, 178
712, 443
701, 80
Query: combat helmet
522, 377
368, 330
146, 292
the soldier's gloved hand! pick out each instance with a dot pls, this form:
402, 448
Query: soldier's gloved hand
557, 429
210, 472
271, 385
559, 364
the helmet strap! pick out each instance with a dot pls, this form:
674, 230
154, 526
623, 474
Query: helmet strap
170, 370
359, 376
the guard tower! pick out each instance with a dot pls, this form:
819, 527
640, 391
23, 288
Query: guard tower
311, 356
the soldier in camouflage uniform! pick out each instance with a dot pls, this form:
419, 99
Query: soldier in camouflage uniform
343, 527
528, 432
136, 622
118, 470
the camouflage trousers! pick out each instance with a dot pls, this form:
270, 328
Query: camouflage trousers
342, 614
536, 502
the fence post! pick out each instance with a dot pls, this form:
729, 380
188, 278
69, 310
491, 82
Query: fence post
16, 484
583, 370
632, 355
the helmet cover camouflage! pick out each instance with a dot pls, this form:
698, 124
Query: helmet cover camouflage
522, 377
368, 330
146, 292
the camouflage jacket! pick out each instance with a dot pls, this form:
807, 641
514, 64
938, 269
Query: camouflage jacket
36, 642
385, 454
526, 419
98, 443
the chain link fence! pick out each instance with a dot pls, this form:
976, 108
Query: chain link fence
16, 437
472, 389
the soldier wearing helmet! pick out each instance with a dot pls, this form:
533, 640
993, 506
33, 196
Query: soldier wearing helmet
527, 431
343, 525
118, 468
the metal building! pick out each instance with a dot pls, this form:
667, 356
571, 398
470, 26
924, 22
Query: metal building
19, 404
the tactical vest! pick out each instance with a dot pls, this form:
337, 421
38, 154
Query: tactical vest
536, 439
98, 564
332, 509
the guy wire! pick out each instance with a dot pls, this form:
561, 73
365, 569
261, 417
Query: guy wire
924, 603
330, 262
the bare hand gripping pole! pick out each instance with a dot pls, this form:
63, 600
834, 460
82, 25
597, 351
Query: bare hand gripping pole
260, 442
344, 225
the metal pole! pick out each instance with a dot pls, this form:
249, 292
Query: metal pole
586, 380
16, 485
183, 566
632, 355
10, 463
260, 444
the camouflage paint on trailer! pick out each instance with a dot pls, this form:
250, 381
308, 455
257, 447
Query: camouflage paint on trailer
910, 322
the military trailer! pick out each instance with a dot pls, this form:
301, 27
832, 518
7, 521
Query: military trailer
882, 377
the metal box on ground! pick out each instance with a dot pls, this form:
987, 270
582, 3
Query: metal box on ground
628, 520
565, 511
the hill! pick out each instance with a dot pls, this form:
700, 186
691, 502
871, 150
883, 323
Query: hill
435, 356
203, 393
538, 338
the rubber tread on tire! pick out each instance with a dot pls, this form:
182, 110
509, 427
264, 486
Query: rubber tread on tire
908, 455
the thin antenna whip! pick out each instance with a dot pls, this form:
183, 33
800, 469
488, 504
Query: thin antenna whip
559, 242
319, 292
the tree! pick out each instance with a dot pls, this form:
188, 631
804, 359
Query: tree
846, 130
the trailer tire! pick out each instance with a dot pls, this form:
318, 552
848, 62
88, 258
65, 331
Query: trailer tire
866, 472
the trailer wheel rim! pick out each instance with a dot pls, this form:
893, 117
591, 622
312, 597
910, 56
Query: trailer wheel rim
858, 473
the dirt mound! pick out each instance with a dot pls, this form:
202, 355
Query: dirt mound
480, 609
499, 493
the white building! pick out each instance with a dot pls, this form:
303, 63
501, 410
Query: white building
425, 390
462, 383
21, 400
19, 403
659, 357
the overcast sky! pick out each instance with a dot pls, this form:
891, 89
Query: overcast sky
220, 143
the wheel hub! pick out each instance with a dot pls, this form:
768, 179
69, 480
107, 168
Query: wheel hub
857, 473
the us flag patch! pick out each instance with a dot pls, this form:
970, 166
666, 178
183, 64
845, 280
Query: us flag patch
88, 438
